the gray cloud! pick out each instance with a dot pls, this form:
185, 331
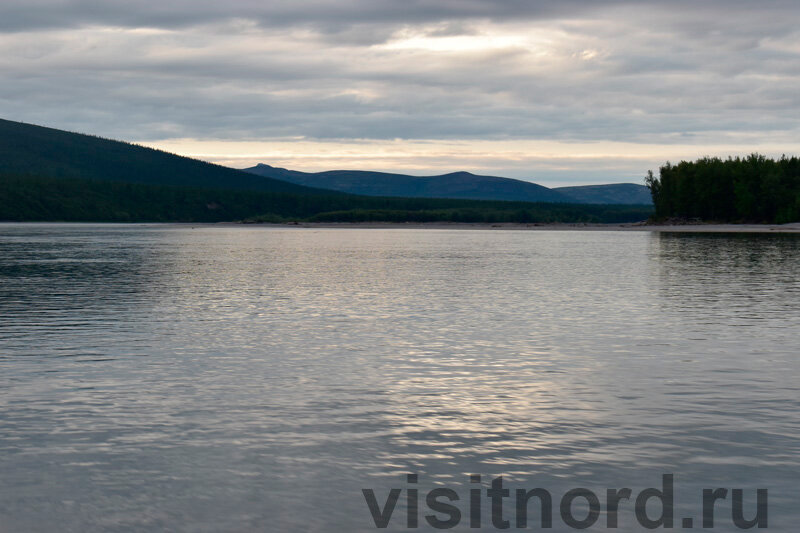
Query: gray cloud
666, 72
28, 14
689, 15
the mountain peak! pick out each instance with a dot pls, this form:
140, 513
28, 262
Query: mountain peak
460, 174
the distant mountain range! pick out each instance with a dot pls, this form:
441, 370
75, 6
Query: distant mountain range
53, 175
46, 152
457, 185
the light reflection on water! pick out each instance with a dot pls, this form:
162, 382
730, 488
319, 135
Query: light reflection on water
240, 379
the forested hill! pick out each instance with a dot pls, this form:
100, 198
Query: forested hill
751, 189
28, 150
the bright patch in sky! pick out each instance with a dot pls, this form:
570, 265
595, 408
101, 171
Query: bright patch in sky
459, 43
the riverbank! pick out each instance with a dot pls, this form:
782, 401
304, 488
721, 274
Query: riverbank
640, 226
659, 228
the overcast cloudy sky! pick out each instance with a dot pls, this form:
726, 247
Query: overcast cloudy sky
559, 92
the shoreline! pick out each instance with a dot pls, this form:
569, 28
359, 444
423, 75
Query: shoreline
639, 226
791, 228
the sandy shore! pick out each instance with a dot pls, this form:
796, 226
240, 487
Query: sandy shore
687, 228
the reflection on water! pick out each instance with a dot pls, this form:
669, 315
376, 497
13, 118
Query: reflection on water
239, 379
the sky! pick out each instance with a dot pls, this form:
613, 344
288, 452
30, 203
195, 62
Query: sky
561, 93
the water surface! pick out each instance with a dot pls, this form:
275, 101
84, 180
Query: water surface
184, 378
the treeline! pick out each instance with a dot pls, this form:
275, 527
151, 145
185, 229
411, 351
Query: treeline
33, 198
750, 189
533, 213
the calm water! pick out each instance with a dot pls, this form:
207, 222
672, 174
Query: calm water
256, 379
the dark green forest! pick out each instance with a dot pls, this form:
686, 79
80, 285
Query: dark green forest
32, 198
750, 189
